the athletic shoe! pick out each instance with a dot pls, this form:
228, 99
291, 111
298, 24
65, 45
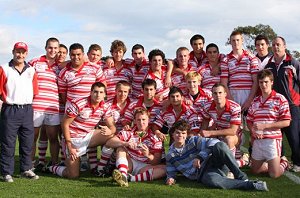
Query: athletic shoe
8, 178
246, 158
120, 178
296, 168
84, 166
230, 175
46, 168
260, 185
39, 167
29, 175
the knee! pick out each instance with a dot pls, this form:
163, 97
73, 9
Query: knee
220, 146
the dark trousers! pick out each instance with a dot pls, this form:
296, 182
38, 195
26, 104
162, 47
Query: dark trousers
16, 121
292, 133
217, 167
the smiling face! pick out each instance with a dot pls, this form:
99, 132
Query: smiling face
183, 57
212, 54
94, 56
141, 120
77, 57
261, 47
61, 55
176, 99
236, 42
52, 49
122, 93
19, 56
197, 46
179, 137
156, 63
278, 47
117, 55
138, 56
193, 84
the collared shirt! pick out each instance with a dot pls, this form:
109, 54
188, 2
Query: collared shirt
77, 83
113, 76
208, 80
286, 78
239, 72
230, 116
203, 58
182, 161
86, 117
275, 108
47, 100
149, 139
17, 87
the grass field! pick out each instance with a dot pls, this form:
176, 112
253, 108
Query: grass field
89, 186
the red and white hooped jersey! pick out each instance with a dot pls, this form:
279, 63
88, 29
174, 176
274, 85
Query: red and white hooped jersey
150, 140
169, 117
208, 80
154, 110
47, 100
179, 81
230, 116
113, 76
86, 117
77, 84
160, 82
138, 75
117, 113
239, 72
203, 58
275, 108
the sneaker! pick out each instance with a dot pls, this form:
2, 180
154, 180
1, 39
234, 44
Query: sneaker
246, 159
230, 175
120, 178
29, 175
260, 185
46, 168
8, 178
39, 167
296, 168
100, 173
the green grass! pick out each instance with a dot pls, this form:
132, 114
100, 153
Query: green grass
88, 186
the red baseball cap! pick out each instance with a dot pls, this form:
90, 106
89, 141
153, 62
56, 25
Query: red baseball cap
21, 45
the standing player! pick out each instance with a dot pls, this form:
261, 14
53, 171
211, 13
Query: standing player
262, 48
211, 71
18, 86
198, 54
267, 114
46, 104
140, 162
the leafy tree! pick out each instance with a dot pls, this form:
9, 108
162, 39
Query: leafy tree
250, 32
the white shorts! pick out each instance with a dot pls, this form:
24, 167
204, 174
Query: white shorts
240, 96
266, 149
40, 118
81, 144
137, 166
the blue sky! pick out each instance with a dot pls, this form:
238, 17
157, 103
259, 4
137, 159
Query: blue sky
163, 24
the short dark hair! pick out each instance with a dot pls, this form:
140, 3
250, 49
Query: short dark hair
265, 73
148, 82
136, 47
156, 52
261, 37
51, 39
181, 125
95, 47
76, 46
218, 84
235, 32
212, 45
175, 89
118, 45
63, 46
98, 84
197, 37
142, 111
124, 83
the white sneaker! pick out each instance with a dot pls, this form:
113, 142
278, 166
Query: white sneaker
8, 178
29, 175
296, 168
260, 185
230, 175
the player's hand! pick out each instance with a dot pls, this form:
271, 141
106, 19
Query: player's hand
170, 181
168, 81
205, 133
188, 102
196, 163
127, 127
160, 135
72, 153
131, 145
145, 150
104, 130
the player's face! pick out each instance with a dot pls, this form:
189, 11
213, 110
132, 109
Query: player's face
219, 94
94, 56
118, 55
179, 137
261, 47
149, 92
278, 47
52, 49
156, 63
236, 42
193, 84
61, 55
197, 46
77, 57
265, 85
212, 54
122, 92
183, 57
97, 95
19, 56
138, 55
176, 99
141, 121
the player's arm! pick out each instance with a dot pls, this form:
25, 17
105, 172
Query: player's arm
252, 94
110, 127
222, 132
66, 133
168, 82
